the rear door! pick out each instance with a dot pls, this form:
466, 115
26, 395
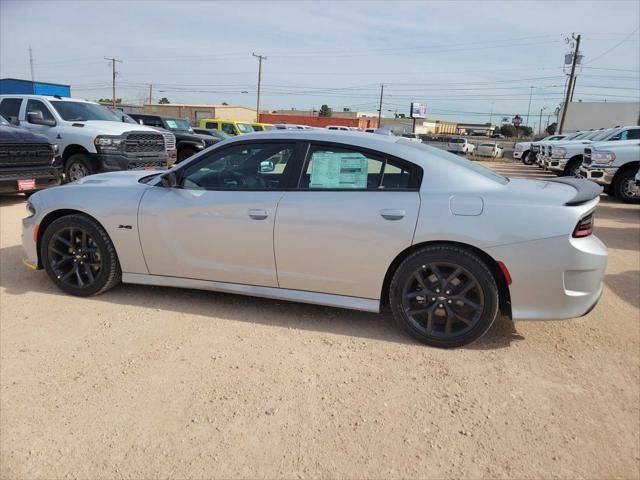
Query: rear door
352, 213
218, 223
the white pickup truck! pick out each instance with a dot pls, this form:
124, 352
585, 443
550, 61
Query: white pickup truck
89, 136
522, 150
566, 158
613, 165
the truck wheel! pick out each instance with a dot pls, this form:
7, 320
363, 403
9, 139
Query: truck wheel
572, 168
184, 154
526, 158
78, 166
624, 186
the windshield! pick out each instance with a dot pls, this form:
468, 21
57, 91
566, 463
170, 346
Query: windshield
475, 167
123, 117
245, 127
3, 122
176, 124
82, 112
602, 135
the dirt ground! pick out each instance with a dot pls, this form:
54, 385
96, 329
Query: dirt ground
147, 382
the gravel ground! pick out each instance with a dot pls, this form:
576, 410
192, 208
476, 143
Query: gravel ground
147, 382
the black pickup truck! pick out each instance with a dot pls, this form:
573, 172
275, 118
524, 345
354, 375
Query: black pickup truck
28, 162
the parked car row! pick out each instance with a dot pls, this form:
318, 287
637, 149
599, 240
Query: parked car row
485, 149
609, 157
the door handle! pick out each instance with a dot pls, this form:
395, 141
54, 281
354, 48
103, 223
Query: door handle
258, 214
392, 214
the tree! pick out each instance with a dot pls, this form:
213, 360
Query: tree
325, 111
508, 130
109, 101
225, 103
526, 131
551, 129
164, 100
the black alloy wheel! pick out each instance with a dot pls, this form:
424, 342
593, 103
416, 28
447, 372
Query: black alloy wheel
444, 296
79, 257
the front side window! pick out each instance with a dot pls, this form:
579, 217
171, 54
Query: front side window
34, 106
10, 107
631, 134
81, 111
242, 167
336, 168
228, 128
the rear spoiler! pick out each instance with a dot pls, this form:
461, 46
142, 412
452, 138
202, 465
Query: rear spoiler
586, 190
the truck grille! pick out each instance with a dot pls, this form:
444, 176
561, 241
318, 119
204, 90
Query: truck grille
169, 140
586, 157
25, 154
144, 143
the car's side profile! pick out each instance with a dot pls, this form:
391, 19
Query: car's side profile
341, 219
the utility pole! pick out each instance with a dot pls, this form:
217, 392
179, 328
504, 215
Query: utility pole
31, 63
540, 120
573, 88
529, 107
113, 79
570, 84
380, 106
150, 93
260, 58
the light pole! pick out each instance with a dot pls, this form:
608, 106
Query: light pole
540, 120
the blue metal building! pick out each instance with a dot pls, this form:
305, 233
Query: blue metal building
27, 87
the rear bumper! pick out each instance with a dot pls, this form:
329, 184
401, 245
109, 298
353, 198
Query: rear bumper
556, 278
45, 177
602, 175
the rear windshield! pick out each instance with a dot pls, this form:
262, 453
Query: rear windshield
245, 127
457, 140
473, 166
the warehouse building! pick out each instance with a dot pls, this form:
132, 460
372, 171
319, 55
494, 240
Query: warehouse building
194, 113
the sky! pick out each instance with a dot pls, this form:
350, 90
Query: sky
468, 61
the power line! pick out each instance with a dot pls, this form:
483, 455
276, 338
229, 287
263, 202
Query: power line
612, 48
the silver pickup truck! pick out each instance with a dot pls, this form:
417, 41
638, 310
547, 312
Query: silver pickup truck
613, 165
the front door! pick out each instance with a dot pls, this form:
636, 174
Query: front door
218, 223
353, 213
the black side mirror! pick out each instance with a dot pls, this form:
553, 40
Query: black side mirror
169, 180
37, 119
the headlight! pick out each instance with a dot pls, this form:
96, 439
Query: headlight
602, 156
30, 210
106, 143
558, 152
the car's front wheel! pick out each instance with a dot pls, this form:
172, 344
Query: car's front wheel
444, 296
79, 256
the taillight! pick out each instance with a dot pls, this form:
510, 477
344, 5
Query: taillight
584, 227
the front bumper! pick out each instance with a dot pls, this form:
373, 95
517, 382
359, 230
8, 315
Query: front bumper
44, 177
111, 162
517, 154
601, 174
556, 164
29, 242
555, 278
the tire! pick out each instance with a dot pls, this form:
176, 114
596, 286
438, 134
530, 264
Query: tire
78, 247
572, 168
184, 154
78, 166
479, 305
624, 185
525, 158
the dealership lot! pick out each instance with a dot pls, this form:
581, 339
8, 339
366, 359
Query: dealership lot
151, 382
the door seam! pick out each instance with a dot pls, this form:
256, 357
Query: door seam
273, 237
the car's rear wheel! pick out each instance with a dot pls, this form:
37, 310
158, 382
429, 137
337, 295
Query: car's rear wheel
624, 186
79, 256
444, 296
78, 166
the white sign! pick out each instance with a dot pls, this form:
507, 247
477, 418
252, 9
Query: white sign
418, 110
339, 170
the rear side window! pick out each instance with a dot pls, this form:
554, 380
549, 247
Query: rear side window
336, 168
10, 107
212, 125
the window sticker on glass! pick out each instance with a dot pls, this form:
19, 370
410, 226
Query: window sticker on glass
172, 124
338, 170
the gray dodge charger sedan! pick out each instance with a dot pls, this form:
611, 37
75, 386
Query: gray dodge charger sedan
348, 220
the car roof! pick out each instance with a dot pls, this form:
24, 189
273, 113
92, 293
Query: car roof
46, 97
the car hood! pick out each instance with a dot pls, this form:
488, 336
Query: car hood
105, 127
20, 135
114, 179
